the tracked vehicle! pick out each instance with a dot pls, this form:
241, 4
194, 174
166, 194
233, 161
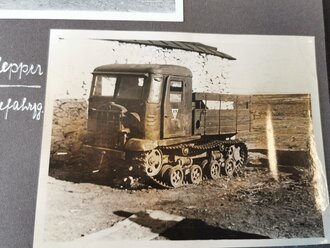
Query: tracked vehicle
148, 116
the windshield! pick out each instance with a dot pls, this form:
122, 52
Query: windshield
120, 86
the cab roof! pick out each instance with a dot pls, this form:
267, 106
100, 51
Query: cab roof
175, 70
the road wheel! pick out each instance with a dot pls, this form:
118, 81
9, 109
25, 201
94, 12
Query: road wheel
229, 167
196, 175
174, 176
212, 169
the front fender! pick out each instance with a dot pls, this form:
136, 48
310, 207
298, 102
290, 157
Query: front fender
134, 144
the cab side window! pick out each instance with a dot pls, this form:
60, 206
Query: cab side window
176, 91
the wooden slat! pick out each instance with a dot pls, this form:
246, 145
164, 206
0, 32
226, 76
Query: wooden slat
227, 123
215, 119
227, 130
198, 96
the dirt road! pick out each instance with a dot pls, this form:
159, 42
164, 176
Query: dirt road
253, 206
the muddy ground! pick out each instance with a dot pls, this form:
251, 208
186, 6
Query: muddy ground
80, 202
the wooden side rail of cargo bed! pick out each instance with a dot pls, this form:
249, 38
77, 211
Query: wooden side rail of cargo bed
217, 114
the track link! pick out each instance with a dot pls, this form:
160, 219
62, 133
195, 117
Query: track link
140, 159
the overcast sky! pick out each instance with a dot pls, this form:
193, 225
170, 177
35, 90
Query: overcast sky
270, 64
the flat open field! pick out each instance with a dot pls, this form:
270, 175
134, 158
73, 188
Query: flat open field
251, 206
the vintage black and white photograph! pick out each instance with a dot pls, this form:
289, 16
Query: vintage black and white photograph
165, 137
157, 10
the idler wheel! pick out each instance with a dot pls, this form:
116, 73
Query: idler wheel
240, 157
229, 167
153, 163
213, 169
196, 175
174, 176
238, 154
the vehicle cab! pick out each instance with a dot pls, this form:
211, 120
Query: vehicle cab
135, 106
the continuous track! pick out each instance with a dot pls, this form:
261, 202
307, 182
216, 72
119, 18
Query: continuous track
165, 167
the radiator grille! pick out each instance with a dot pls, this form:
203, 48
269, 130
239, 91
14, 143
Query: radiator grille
104, 128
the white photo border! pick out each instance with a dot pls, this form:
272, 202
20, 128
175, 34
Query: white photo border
46, 140
176, 16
